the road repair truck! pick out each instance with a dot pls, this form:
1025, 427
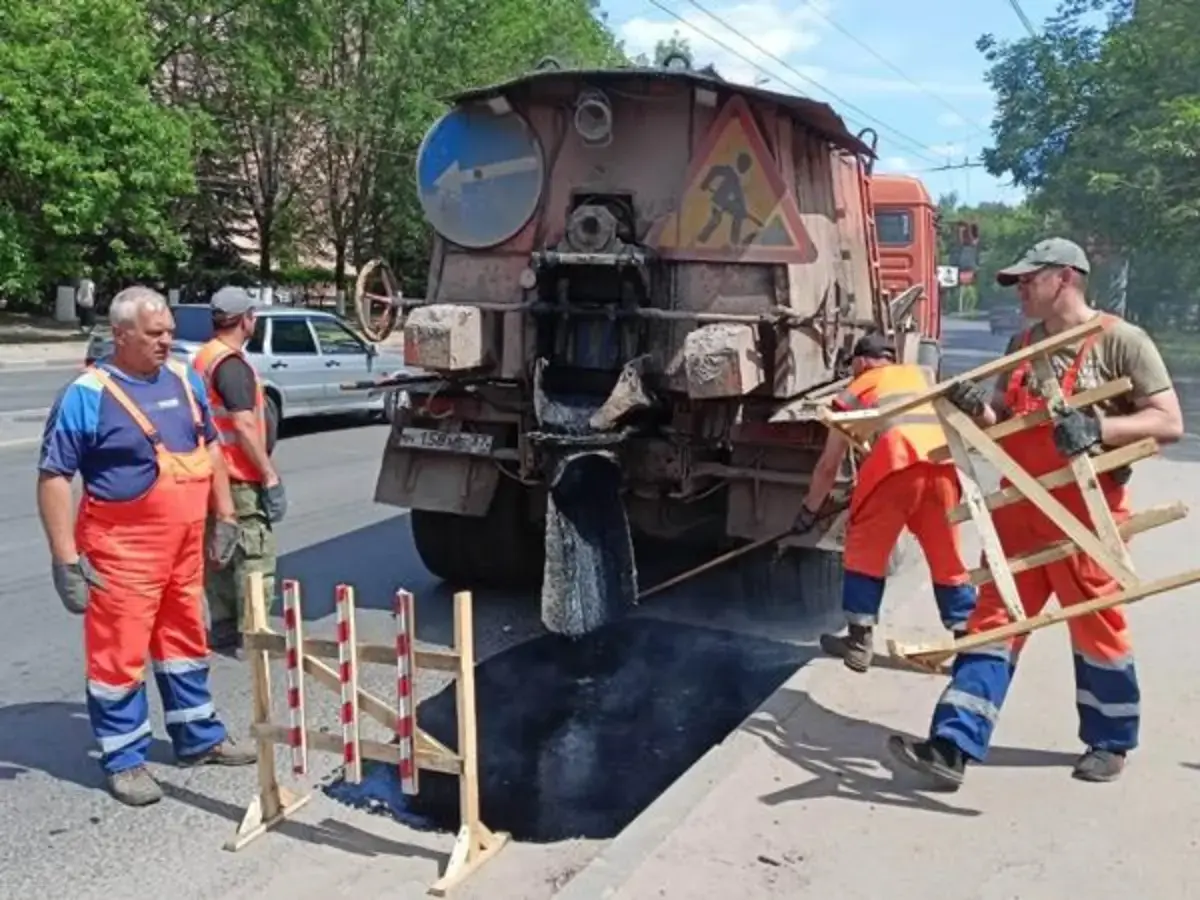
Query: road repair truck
651, 267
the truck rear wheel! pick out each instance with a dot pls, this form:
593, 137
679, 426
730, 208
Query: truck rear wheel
501, 549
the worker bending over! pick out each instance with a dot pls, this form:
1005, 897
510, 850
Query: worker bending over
137, 429
239, 412
1051, 280
898, 486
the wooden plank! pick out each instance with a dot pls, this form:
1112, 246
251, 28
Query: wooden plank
1106, 391
255, 615
968, 479
1049, 506
987, 370
1106, 462
1083, 469
933, 653
371, 749
1145, 520
441, 660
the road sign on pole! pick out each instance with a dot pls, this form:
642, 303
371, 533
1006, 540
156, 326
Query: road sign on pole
947, 276
479, 175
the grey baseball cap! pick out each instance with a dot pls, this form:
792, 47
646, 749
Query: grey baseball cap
231, 302
1053, 251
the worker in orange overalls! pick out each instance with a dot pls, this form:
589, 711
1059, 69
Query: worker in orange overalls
137, 429
1051, 280
898, 486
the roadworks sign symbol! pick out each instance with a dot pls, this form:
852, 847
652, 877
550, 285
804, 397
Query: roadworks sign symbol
735, 206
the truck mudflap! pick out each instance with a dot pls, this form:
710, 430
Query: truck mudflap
437, 471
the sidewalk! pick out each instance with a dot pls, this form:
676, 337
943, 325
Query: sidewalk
802, 799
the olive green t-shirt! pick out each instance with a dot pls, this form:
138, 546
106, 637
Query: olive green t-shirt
1123, 351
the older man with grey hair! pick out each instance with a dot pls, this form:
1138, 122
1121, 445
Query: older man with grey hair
136, 427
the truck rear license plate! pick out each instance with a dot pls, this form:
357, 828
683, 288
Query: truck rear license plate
448, 441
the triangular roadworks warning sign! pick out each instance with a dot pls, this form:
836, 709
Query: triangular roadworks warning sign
735, 206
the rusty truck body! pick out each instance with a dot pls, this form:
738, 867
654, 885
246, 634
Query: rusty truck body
695, 256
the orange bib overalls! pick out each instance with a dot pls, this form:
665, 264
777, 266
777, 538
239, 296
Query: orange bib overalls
1107, 694
897, 488
149, 556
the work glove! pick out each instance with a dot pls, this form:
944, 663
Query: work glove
275, 501
222, 542
1075, 432
969, 397
72, 581
805, 520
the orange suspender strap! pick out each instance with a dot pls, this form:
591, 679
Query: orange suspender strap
197, 418
135, 413
128, 405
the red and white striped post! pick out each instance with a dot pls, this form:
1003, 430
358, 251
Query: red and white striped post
348, 676
405, 716
293, 637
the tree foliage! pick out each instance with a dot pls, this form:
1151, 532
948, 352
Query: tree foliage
172, 138
91, 167
1099, 117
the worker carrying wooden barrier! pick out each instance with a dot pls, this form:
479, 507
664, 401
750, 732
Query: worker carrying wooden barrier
413, 749
1062, 465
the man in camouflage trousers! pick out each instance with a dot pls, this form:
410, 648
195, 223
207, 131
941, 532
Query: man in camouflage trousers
239, 414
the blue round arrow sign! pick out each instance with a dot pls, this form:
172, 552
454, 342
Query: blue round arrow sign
479, 175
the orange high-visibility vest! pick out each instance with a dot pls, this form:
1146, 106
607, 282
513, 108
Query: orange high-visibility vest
906, 439
241, 466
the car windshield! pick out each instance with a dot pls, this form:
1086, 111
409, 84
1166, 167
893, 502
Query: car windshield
193, 323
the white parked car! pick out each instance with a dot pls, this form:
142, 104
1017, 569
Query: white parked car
303, 356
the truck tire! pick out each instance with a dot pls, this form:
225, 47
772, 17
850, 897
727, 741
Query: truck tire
809, 580
499, 549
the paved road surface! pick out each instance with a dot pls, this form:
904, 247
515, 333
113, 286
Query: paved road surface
30, 389
63, 836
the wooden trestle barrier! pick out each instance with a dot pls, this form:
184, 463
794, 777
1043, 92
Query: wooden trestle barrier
414, 749
1105, 545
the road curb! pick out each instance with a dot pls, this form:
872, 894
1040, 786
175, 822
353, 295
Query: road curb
609, 870
64, 362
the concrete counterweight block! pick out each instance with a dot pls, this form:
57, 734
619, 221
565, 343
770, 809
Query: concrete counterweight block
446, 337
722, 360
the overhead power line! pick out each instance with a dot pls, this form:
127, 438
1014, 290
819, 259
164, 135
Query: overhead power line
887, 62
917, 146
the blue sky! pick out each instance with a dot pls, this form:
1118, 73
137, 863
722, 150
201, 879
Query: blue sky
940, 106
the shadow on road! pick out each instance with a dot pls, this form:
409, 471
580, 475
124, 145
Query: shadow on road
378, 560
327, 832
56, 738
846, 758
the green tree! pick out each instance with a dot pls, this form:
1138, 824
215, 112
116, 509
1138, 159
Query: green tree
1101, 122
91, 168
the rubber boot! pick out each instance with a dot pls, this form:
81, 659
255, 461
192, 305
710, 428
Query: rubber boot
856, 648
135, 787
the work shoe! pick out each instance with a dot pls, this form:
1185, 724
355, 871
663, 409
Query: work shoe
226, 753
135, 787
1099, 765
936, 758
856, 648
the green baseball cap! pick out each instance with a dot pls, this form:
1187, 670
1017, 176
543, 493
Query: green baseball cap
1053, 251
